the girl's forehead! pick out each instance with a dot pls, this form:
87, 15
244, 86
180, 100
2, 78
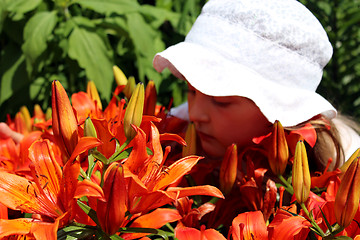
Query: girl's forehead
232, 98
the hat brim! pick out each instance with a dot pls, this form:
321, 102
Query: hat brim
215, 75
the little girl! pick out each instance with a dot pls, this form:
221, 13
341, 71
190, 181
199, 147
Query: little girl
249, 63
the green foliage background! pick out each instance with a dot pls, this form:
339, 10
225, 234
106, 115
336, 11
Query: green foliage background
79, 40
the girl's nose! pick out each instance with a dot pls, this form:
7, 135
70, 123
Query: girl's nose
198, 108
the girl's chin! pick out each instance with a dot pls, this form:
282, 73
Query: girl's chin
213, 151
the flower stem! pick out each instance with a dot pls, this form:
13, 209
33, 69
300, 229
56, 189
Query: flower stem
288, 186
313, 223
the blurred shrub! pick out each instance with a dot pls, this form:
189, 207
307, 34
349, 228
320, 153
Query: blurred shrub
341, 81
79, 40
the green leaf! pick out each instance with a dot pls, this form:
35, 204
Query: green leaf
3, 14
124, 154
161, 15
116, 237
110, 6
152, 231
75, 232
12, 70
89, 211
147, 42
18, 8
90, 51
36, 33
326, 221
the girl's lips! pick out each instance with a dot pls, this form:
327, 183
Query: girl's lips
204, 136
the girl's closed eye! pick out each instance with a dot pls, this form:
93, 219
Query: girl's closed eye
191, 91
222, 101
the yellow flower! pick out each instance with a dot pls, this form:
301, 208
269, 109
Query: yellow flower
300, 173
134, 111
120, 77
94, 94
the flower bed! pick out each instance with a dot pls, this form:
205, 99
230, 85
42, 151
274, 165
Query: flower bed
88, 172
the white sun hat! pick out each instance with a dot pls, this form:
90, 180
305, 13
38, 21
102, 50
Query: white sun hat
270, 51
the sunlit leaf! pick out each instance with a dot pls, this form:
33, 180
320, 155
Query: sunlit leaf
90, 51
109, 6
36, 33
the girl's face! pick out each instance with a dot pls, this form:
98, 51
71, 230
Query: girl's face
221, 121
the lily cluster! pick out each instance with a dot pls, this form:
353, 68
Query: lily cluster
129, 171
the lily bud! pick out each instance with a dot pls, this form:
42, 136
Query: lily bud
228, 169
27, 117
130, 87
64, 122
150, 99
346, 165
92, 91
111, 213
134, 111
301, 180
347, 197
278, 153
89, 128
39, 115
120, 77
190, 139
48, 114
20, 125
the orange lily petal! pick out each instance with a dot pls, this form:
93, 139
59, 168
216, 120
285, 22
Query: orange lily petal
83, 105
90, 189
254, 226
69, 182
21, 226
308, 133
155, 219
286, 226
42, 230
176, 171
156, 161
153, 200
84, 144
150, 98
19, 194
172, 137
46, 166
103, 133
3, 211
206, 190
138, 155
25, 145
111, 213
186, 233
212, 234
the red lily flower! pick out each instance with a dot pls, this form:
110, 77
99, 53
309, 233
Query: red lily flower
287, 226
249, 226
51, 192
156, 219
111, 212
149, 180
186, 233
